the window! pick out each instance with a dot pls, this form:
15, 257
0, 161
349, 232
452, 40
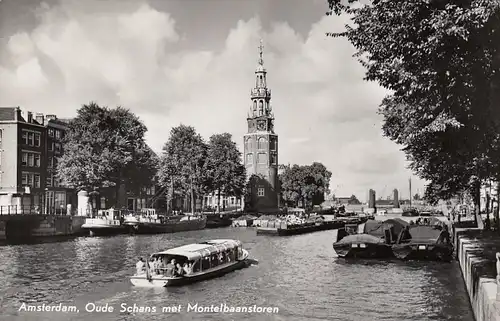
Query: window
50, 162
260, 192
31, 159
37, 180
51, 132
58, 147
58, 134
273, 159
31, 139
55, 181
262, 143
51, 146
37, 140
103, 202
272, 144
24, 179
48, 180
262, 158
24, 159
37, 160
249, 158
25, 137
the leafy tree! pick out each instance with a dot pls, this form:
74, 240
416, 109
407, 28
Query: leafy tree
305, 184
105, 147
440, 60
182, 163
224, 168
353, 200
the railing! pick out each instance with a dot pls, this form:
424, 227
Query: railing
31, 210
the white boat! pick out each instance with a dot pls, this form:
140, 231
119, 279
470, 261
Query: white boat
107, 222
207, 259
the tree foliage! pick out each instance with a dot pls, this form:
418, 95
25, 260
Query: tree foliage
305, 184
182, 162
223, 166
440, 60
105, 147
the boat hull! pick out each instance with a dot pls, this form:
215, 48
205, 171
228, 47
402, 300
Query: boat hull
104, 230
296, 230
158, 281
169, 227
424, 252
218, 222
365, 251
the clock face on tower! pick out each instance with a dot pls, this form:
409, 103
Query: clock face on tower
261, 125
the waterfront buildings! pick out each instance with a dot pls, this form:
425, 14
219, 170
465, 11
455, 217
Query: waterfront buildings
261, 146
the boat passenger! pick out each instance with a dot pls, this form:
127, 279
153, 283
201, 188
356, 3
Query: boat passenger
139, 266
179, 271
169, 269
151, 264
188, 268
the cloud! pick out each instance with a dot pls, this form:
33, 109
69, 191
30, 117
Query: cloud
131, 56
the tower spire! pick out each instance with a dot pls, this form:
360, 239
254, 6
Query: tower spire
261, 48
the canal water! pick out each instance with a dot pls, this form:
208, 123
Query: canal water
297, 274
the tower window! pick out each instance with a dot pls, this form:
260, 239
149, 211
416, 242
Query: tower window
261, 192
255, 107
249, 158
261, 158
261, 108
272, 144
248, 144
261, 143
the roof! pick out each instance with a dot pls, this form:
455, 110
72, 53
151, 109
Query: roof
198, 250
7, 113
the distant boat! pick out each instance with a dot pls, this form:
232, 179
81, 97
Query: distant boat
207, 260
149, 222
107, 222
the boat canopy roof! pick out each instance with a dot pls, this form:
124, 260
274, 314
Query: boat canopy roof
199, 250
360, 238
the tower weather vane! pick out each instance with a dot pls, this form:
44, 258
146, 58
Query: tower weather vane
261, 48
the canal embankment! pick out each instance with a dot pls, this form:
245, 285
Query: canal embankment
476, 251
28, 226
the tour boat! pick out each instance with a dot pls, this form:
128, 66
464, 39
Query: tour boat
207, 260
424, 242
149, 222
107, 222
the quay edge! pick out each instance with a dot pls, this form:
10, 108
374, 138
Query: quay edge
482, 286
33, 226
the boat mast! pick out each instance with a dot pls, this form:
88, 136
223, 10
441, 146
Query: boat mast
409, 182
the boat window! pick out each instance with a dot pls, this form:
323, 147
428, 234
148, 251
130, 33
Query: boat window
214, 260
205, 264
197, 266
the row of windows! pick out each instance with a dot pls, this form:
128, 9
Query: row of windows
58, 134
261, 144
148, 190
30, 138
261, 158
51, 180
55, 147
30, 179
30, 159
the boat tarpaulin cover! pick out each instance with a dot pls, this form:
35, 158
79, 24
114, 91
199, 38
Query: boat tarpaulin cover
424, 233
360, 238
377, 228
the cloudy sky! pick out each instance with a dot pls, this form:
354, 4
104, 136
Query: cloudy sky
193, 62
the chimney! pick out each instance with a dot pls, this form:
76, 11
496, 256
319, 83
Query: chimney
17, 113
30, 117
50, 117
39, 118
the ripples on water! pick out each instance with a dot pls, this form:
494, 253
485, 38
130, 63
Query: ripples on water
297, 274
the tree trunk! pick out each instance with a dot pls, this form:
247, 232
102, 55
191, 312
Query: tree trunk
477, 201
487, 225
218, 200
497, 225
192, 197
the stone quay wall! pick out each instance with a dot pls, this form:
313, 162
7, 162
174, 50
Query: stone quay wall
18, 226
478, 259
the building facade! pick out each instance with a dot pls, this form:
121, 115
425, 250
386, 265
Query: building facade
261, 146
